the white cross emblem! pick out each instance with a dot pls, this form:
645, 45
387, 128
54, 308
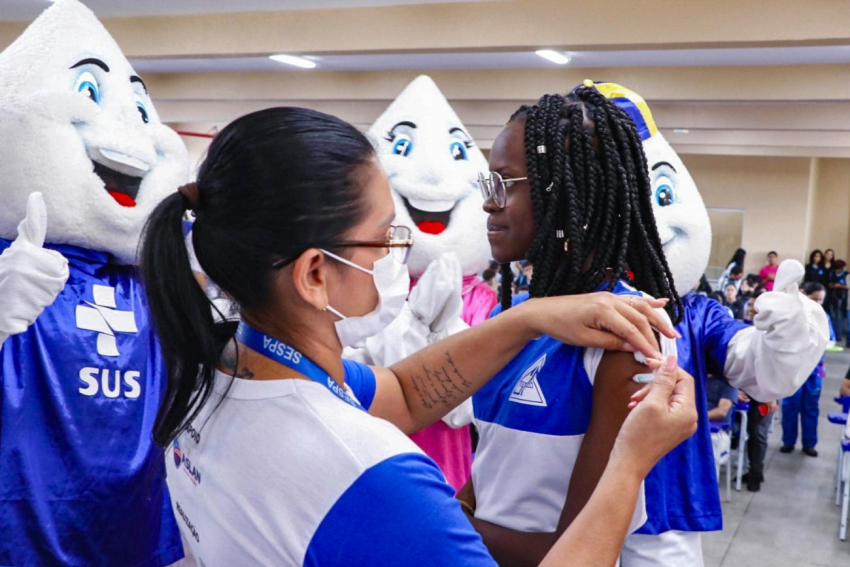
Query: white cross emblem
103, 317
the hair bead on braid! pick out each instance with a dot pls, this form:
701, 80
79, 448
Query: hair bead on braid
591, 195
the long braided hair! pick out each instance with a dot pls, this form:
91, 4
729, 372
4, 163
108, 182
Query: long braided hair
591, 195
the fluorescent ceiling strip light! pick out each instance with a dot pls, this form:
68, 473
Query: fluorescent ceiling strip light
293, 60
553, 56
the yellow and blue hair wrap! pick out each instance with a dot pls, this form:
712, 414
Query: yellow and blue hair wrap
632, 103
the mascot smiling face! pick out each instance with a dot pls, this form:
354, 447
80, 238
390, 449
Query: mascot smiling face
680, 213
433, 167
77, 124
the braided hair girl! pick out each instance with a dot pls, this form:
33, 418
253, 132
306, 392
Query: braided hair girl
590, 192
570, 192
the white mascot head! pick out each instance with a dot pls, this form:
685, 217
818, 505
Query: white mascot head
433, 167
77, 124
680, 214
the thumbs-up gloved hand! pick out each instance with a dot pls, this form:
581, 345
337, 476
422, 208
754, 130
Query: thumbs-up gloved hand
787, 316
30, 276
772, 359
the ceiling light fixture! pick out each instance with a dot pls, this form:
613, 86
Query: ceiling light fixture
554, 56
681, 131
302, 62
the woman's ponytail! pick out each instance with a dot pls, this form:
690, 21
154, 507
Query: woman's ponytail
182, 317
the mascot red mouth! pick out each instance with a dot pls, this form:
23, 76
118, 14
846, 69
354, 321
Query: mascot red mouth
122, 187
427, 221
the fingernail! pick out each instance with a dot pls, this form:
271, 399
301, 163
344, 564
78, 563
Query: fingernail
678, 334
658, 355
669, 364
629, 348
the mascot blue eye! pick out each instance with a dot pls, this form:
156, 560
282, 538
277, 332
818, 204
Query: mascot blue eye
402, 145
87, 84
665, 195
458, 150
143, 111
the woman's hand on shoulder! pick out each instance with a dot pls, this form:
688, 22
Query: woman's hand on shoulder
602, 320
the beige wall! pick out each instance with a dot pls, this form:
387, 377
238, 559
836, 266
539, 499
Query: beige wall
773, 192
831, 211
726, 236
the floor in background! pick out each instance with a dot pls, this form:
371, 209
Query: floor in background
793, 521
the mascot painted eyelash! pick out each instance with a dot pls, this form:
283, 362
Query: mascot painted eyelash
769, 360
433, 164
85, 160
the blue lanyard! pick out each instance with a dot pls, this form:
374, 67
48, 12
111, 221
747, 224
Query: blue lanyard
290, 357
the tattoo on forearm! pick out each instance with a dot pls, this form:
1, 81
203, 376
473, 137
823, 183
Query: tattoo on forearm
440, 386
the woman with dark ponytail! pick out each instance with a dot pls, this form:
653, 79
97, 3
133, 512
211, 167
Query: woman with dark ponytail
275, 455
569, 191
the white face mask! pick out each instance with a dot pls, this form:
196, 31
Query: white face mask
393, 284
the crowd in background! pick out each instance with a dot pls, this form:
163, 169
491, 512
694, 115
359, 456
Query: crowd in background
823, 268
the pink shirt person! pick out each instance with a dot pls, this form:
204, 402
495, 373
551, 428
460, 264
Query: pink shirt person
768, 273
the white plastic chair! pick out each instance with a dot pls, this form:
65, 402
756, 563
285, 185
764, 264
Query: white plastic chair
725, 458
741, 409
838, 418
845, 481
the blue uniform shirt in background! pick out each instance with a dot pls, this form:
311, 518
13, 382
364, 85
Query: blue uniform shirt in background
81, 482
717, 390
681, 491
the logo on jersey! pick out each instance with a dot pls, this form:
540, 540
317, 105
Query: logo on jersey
178, 454
104, 318
527, 389
182, 461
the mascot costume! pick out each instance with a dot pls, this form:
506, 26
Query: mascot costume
84, 161
769, 360
433, 167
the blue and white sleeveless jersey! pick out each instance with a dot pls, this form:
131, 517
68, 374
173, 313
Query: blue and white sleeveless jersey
531, 418
282, 472
81, 482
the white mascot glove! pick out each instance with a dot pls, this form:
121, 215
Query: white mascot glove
436, 301
772, 359
30, 276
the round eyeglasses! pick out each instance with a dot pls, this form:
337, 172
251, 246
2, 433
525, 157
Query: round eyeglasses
494, 186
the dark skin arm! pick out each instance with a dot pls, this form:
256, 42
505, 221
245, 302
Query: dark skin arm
612, 391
